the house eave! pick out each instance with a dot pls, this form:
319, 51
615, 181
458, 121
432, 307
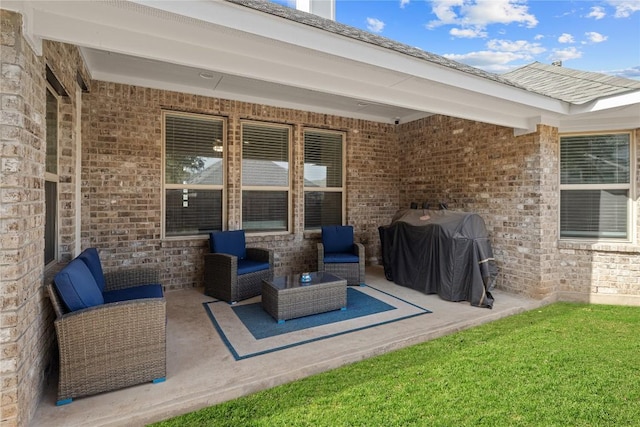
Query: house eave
255, 45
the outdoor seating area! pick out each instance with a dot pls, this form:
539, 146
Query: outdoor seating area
201, 371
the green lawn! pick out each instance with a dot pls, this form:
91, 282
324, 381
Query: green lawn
562, 365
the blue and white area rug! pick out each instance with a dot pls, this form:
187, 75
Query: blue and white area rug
249, 331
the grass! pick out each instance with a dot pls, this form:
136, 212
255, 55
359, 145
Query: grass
562, 365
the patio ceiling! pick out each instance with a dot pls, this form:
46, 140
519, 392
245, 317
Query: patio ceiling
224, 49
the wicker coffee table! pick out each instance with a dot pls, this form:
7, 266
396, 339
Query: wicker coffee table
287, 297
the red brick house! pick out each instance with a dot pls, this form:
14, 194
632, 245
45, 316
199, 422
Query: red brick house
104, 106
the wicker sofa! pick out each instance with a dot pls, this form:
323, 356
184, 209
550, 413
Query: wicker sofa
111, 327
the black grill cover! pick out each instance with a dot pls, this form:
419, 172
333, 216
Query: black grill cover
440, 252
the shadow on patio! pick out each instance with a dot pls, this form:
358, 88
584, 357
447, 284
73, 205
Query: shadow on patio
202, 372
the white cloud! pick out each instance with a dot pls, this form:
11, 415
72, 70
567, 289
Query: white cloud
594, 37
481, 13
468, 33
565, 54
521, 47
597, 12
485, 58
538, 37
566, 38
625, 9
375, 25
628, 73
403, 3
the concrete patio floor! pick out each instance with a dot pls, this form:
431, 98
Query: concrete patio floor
202, 372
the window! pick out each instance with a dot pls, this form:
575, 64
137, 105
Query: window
51, 178
193, 174
595, 186
323, 179
265, 177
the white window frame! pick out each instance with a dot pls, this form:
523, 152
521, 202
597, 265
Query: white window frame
288, 188
342, 188
173, 186
54, 177
629, 187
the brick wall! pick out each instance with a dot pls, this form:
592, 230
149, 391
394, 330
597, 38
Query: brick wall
122, 182
512, 182
21, 224
480, 168
26, 327
604, 272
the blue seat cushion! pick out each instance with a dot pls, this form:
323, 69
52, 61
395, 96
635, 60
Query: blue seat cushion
250, 266
337, 238
228, 242
91, 258
136, 292
77, 287
339, 258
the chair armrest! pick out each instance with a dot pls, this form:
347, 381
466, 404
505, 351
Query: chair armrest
129, 277
222, 260
320, 257
260, 254
134, 321
218, 265
358, 249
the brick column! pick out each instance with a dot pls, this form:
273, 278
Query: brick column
23, 337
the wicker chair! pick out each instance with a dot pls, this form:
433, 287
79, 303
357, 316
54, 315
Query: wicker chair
339, 255
233, 272
111, 345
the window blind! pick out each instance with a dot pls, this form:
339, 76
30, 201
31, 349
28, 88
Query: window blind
322, 159
265, 155
265, 177
194, 174
193, 150
595, 159
323, 178
595, 186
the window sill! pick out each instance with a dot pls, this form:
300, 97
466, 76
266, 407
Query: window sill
621, 247
312, 234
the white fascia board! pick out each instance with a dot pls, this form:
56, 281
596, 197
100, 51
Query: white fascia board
286, 31
622, 118
607, 103
572, 125
92, 34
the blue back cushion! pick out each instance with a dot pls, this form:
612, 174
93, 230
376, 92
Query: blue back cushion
337, 238
228, 242
77, 287
92, 260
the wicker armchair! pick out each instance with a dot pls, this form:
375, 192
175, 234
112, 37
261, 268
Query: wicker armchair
111, 345
233, 272
339, 255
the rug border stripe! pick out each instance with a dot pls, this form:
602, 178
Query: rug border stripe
238, 357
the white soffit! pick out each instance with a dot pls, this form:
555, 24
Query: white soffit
262, 58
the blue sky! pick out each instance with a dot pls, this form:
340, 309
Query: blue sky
500, 35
